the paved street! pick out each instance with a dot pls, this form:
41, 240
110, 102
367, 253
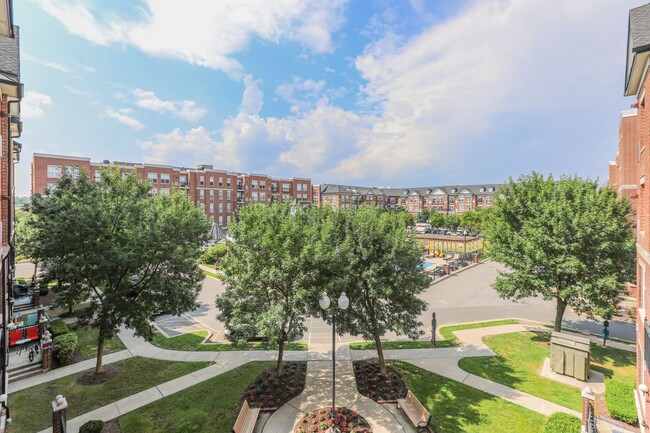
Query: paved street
464, 297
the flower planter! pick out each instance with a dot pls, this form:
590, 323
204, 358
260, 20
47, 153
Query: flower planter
320, 421
382, 389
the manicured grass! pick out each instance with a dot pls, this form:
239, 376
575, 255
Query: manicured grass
456, 407
192, 342
211, 274
447, 332
208, 407
519, 361
389, 345
87, 342
31, 408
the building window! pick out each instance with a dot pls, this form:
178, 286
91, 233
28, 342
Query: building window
153, 177
220, 194
220, 207
202, 194
201, 180
262, 184
164, 191
98, 175
211, 180
228, 195
212, 193
183, 180
73, 172
286, 188
228, 181
229, 207
254, 184
262, 196
299, 187
228, 219
54, 171
254, 195
220, 220
211, 207
164, 178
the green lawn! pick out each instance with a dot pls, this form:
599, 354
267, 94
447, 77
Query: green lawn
455, 407
87, 342
446, 331
208, 407
192, 342
31, 408
211, 274
519, 359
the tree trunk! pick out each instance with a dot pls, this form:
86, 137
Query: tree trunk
100, 353
279, 369
559, 314
380, 354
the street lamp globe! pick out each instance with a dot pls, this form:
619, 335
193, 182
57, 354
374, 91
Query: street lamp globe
344, 302
324, 302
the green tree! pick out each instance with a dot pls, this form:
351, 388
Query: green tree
379, 267
24, 235
437, 219
470, 219
452, 221
129, 254
567, 239
423, 216
270, 273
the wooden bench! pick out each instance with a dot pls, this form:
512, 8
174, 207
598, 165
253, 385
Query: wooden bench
417, 414
246, 420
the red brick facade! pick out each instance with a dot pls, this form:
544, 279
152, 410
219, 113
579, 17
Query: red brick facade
218, 192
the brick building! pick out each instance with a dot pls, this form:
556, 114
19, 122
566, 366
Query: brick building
11, 92
218, 192
634, 145
454, 199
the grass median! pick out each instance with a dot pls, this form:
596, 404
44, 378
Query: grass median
31, 408
192, 342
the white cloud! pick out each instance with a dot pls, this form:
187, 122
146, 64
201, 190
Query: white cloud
253, 98
180, 148
302, 94
187, 110
124, 116
32, 104
215, 31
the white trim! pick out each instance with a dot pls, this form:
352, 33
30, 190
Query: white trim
47, 155
622, 187
630, 113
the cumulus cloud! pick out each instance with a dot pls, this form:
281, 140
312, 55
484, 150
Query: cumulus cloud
124, 116
187, 110
33, 103
218, 28
179, 148
253, 97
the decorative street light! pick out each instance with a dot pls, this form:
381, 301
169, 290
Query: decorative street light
343, 304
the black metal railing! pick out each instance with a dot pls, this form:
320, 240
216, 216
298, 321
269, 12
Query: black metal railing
592, 424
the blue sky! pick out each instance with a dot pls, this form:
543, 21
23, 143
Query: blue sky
369, 92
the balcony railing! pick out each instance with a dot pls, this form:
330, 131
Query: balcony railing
240, 186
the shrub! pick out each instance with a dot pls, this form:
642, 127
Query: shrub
64, 346
562, 423
619, 397
58, 327
43, 289
213, 254
93, 426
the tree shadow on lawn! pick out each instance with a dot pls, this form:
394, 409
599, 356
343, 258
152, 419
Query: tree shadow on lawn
493, 368
453, 406
617, 357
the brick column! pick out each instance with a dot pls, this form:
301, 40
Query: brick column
46, 348
588, 397
447, 269
59, 410
42, 321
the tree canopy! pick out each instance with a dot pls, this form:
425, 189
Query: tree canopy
423, 216
129, 254
271, 272
380, 269
437, 219
566, 239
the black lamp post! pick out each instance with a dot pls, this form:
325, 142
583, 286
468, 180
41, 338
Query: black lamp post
464, 246
343, 304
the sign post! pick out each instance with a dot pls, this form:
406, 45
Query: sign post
433, 329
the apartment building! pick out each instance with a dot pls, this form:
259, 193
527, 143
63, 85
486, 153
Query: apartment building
454, 199
220, 193
634, 146
11, 92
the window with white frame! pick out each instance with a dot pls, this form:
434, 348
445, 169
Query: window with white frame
73, 172
228, 181
98, 175
164, 178
201, 180
220, 207
299, 187
202, 194
229, 207
211, 207
254, 184
229, 196
54, 171
211, 193
153, 177
262, 196
220, 220
164, 191
211, 180
254, 195
228, 219
220, 194
262, 184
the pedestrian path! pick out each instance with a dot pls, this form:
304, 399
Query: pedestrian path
317, 393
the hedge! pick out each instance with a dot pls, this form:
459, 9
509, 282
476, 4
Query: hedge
93, 426
619, 397
58, 327
562, 423
213, 254
64, 346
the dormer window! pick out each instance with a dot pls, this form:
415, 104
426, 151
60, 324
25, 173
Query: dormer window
491, 189
482, 189
453, 190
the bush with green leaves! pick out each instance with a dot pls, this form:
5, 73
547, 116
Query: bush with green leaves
620, 401
64, 346
58, 327
93, 426
562, 423
213, 254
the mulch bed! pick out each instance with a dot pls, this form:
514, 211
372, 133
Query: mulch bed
382, 389
320, 420
109, 372
269, 392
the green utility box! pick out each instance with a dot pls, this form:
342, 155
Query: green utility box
570, 355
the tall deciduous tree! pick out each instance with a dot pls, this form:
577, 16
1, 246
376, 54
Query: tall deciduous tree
129, 254
423, 216
567, 239
270, 272
452, 221
437, 219
380, 269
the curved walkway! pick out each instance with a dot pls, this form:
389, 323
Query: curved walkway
383, 418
